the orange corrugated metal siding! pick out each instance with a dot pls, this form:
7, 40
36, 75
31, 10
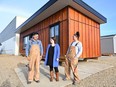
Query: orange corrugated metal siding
89, 31
71, 21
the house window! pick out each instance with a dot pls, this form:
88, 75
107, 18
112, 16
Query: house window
54, 32
25, 41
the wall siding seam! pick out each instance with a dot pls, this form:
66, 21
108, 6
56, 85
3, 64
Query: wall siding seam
84, 23
42, 28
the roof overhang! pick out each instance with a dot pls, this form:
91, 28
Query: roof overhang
54, 6
108, 36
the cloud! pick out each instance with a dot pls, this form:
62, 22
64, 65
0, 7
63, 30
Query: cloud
14, 10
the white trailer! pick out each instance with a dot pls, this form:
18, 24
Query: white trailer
108, 44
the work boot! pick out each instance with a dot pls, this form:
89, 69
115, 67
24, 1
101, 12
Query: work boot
51, 76
76, 82
57, 76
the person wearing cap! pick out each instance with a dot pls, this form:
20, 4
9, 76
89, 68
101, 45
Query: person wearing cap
34, 52
73, 53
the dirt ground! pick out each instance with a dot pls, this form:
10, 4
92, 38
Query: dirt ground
8, 77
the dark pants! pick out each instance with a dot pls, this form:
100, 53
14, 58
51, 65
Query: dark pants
55, 68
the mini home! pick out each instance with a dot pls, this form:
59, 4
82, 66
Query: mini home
108, 44
62, 18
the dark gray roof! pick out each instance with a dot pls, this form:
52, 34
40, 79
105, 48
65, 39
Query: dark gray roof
50, 3
90, 9
109, 35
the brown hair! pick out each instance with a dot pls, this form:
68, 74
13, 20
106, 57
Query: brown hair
77, 34
34, 33
54, 38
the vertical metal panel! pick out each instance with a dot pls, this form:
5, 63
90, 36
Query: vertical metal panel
76, 16
71, 13
55, 18
65, 38
81, 34
64, 13
51, 20
84, 41
99, 46
71, 31
60, 16
83, 19
87, 41
96, 37
61, 40
87, 20
90, 22
114, 42
94, 43
89, 33
97, 25
76, 26
97, 41
80, 17
90, 41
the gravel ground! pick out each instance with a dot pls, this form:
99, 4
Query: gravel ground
106, 78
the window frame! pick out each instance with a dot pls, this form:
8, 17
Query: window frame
30, 36
53, 25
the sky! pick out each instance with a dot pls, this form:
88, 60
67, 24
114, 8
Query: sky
108, 9
11, 8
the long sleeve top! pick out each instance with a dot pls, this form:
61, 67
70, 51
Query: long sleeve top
56, 55
79, 48
30, 43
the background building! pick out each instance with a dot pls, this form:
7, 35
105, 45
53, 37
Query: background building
108, 44
9, 38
